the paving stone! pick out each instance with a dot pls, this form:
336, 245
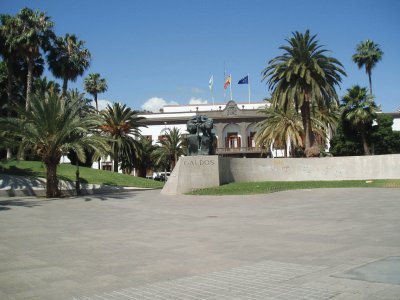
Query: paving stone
285, 245
264, 280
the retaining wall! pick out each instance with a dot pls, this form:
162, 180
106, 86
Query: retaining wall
194, 172
326, 168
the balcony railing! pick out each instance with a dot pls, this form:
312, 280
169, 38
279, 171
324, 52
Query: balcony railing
239, 150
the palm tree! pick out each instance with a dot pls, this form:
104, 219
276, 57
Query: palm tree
68, 59
52, 127
145, 161
171, 147
121, 124
360, 110
42, 86
33, 31
94, 85
305, 76
368, 55
8, 52
279, 128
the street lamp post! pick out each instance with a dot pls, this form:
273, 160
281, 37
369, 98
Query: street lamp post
77, 183
165, 166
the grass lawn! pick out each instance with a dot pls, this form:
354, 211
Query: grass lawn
67, 172
247, 188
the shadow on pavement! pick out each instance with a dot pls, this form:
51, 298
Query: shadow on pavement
5, 204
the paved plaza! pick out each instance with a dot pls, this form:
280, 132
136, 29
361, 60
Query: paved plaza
310, 244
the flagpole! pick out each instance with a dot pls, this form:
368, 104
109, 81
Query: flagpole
211, 86
248, 79
224, 82
230, 85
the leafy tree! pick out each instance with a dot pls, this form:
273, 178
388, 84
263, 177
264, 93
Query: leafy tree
95, 85
280, 128
368, 55
33, 32
68, 59
42, 86
359, 109
146, 160
121, 124
345, 141
305, 76
172, 146
51, 127
384, 139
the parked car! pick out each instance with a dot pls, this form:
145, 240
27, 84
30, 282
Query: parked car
160, 176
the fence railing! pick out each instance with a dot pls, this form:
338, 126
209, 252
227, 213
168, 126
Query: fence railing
239, 150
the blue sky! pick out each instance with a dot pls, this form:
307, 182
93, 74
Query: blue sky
167, 50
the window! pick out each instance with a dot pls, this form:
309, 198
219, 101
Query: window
232, 140
250, 140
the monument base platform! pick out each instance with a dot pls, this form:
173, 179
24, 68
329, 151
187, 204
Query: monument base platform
193, 172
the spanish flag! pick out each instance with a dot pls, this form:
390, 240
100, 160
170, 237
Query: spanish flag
227, 82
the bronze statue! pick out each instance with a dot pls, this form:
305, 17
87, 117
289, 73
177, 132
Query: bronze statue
200, 139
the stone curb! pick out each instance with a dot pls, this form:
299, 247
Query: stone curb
19, 186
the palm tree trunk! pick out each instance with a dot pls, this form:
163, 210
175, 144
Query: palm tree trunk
29, 84
95, 100
306, 118
52, 190
97, 111
370, 82
115, 167
65, 87
365, 144
9, 98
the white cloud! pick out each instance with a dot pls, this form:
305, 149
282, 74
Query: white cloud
197, 90
102, 103
194, 100
154, 104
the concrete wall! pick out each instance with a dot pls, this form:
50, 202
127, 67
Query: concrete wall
297, 169
194, 172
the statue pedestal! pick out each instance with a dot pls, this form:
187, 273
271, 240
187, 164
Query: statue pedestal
193, 172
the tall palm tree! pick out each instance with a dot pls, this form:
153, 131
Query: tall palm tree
68, 59
303, 75
8, 52
33, 32
360, 110
121, 124
51, 127
279, 128
368, 55
171, 147
95, 85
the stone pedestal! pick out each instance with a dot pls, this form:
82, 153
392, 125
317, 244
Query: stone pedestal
193, 172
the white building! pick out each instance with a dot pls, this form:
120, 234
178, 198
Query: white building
234, 126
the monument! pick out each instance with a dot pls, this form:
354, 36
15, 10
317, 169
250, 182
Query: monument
200, 168
201, 140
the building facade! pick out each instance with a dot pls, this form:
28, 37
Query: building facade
234, 125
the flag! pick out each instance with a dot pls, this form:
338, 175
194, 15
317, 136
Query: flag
244, 80
227, 82
211, 83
